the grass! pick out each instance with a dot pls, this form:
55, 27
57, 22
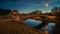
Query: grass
17, 28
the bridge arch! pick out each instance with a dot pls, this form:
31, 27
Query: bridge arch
36, 17
44, 22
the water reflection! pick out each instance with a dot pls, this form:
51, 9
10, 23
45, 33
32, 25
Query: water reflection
50, 26
32, 23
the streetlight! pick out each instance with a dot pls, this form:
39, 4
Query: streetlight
46, 5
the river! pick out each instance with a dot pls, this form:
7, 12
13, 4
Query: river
33, 23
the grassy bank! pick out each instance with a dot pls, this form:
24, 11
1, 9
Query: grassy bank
17, 28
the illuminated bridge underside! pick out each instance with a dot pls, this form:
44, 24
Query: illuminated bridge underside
38, 17
44, 19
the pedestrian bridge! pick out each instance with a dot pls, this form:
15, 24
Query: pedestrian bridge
37, 17
45, 19
22, 18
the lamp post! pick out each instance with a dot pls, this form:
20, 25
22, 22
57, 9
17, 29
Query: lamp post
46, 5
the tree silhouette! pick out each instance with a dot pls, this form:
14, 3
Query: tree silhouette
56, 11
37, 12
4, 11
50, 14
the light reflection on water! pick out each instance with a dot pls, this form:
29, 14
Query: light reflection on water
32, 23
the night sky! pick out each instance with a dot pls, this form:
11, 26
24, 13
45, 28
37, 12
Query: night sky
27, 6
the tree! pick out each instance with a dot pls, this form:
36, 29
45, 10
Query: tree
4, 11
56, 11
14, 12
37, 12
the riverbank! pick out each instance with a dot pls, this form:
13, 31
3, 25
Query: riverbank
17, 28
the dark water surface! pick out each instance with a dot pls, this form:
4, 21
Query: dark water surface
32, 23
